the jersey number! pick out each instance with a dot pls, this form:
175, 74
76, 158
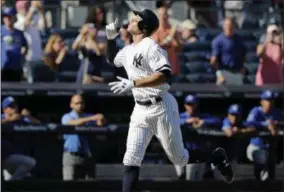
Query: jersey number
137, 60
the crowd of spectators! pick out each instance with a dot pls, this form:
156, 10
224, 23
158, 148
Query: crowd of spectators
230, 57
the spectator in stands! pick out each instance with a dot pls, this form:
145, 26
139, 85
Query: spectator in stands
189, 32
270, 55
13, 46
168, 38
97, 16
15, 165
228, 55
259, 151
55, 52
77, 156
11, 113
92, 55
31, 20
193, 119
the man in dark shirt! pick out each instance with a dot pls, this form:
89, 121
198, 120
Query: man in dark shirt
228, 55
14, 46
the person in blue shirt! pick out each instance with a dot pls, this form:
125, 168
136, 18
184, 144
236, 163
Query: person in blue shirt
234, 126
15, 47
263, 118
192, 119
228, 55
77, 156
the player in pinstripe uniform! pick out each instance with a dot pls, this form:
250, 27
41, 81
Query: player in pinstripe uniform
156, 111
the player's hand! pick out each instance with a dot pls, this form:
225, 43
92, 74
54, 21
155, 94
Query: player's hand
122, 86
111, 30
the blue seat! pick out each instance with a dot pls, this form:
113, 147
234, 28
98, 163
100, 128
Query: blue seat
197, 46
246, 35
67, 33
252, 57
196, 67
250, 23
258, 34
251, 46
251, 79
207, 33
201, 78
195, 56
252, 68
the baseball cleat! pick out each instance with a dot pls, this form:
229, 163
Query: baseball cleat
221, 162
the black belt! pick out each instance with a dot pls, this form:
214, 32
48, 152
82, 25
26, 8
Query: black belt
149, 102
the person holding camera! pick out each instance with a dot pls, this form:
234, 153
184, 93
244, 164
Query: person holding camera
31, 20
91, 55
270, 56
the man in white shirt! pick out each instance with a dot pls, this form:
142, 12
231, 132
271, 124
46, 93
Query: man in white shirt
31, 20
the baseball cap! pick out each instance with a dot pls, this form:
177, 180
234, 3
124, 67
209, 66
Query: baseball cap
272, 28
235, 109
191, 99
8, 11
268, 95
8, 102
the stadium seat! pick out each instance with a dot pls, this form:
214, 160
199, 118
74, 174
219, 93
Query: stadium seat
250, 23
67, 33
207, 34
196, 67
258, 34
197, 46
252, 57
39, 72
251, 79
252, 68
201, 78
251, 46
195, 56
246, 35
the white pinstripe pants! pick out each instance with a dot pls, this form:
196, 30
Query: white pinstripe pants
162, 120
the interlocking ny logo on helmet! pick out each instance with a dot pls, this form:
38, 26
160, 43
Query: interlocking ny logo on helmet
149, 23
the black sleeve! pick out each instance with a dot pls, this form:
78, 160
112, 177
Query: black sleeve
168, 75
112, 50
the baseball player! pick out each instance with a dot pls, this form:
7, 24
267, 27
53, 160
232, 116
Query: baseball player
156, 110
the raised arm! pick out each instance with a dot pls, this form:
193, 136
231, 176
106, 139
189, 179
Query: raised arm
113, 54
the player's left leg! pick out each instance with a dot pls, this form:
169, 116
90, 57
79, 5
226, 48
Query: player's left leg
169, 133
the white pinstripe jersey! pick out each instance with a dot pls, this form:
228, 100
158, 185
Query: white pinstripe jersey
142, 60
